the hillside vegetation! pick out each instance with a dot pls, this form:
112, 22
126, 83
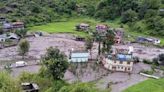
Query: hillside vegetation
143, 16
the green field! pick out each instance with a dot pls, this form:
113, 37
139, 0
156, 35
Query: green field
68, 26
150, 85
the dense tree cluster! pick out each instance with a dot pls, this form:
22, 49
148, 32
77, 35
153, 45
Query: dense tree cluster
132, 12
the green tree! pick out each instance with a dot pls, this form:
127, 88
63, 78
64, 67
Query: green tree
108, 40
150, 13
99, 39
89, 44
55, 62
129, 16
24, 47
22, 33
161, 59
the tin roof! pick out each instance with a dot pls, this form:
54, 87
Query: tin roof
80, 55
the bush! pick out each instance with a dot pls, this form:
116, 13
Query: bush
147, 61
136, 60
155, 61
150, 72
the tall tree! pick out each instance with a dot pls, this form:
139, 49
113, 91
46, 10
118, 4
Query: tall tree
24, 47
129, 16
89, 44
55, 62
99, 39
108, 40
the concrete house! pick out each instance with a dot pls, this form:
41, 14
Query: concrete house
79, 56
13, 36
101, 28
18, 25
119, 61
82, 26
7, 26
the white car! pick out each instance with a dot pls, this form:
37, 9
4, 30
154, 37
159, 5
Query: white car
20, 64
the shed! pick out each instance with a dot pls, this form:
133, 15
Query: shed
13, 36
79, 57
82, 26
102, 27
18, 25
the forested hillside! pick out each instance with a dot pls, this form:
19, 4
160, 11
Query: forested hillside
146, 16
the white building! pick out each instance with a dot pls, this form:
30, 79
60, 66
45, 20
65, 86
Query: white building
119, 60
122, 63
79, 57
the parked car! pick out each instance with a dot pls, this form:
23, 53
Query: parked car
20, 64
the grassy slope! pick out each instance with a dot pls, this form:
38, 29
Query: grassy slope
65, 27
69, 27
150, 85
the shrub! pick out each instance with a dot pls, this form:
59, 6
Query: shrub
155, 61
147, 61
136, 60
150, 72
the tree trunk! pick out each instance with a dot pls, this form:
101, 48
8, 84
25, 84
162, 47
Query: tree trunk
99, 48
91, 53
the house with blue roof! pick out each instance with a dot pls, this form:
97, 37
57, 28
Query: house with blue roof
79, 56
118, 61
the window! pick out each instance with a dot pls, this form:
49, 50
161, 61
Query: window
118, 67
128, 68
121, 62
128, 62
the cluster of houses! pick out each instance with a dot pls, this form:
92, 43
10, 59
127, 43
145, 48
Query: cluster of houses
102, 30
7, 26
9, 29
119, 60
